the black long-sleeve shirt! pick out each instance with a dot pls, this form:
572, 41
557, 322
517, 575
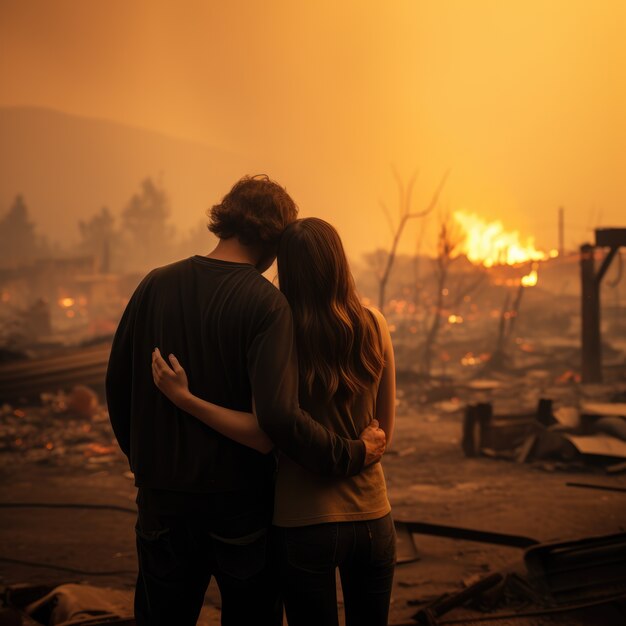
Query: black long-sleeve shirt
232, 331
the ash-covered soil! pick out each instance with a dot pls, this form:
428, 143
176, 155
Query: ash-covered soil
49, 455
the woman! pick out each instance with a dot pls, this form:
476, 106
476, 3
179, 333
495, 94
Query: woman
347, 380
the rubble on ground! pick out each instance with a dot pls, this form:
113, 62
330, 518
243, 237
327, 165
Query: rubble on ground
574, 434
580, 579
66, 429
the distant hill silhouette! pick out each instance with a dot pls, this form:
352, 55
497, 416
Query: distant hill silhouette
67, 167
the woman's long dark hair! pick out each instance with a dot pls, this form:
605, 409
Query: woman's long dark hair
339, 347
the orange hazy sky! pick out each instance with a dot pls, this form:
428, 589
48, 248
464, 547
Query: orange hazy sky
525, 102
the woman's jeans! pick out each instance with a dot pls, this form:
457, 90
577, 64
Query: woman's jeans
364, 552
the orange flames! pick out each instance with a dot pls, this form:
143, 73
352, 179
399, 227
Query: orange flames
489, 244
530, 280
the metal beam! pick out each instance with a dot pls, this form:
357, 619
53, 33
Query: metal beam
610, 237
605, 264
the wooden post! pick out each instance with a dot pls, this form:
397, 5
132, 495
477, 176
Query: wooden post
561, 233
591, 365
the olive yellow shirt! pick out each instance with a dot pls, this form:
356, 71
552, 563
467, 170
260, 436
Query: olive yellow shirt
304, 497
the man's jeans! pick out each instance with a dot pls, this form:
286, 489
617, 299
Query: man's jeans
185, 539
365, 554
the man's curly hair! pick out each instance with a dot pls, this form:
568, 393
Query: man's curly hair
256, 211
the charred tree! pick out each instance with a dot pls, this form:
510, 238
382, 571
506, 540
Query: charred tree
448, 243
508, 319
407, 212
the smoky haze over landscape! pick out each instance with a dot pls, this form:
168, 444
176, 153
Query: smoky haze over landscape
465, 150
121, 124
523, 104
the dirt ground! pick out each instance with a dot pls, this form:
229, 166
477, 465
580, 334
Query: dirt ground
429, 479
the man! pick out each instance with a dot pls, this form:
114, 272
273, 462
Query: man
204, 501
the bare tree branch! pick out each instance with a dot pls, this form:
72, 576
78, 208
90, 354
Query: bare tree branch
385, 210
405, 213
434, 200
400, 186
464, 290
449, 240
409, 192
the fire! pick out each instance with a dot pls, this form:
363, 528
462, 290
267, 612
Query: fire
66, 302
489, 244
530, 280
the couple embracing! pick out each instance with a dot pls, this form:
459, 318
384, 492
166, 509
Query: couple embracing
254, 420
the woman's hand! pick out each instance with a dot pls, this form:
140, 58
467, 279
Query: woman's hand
172, 381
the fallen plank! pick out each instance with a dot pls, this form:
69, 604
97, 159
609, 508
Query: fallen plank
592, 486
599, 444
615, 409
467, 534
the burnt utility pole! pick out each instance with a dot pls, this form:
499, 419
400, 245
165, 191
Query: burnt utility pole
561, 232
612, 238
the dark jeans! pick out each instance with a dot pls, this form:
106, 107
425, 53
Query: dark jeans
185, 539
365, 554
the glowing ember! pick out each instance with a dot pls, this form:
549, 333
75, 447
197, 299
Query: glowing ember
530, 280
470, 359
489, 244
66, 302
455, 319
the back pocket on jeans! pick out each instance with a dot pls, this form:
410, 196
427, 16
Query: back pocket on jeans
156, 553
311, 548
238, 559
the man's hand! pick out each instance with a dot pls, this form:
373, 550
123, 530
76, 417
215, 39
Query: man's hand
375, 443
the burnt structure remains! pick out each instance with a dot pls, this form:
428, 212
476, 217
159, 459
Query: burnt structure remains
612, 238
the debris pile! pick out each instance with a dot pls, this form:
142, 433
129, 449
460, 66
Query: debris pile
72, 430
584, 579
573, 435
66, 605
